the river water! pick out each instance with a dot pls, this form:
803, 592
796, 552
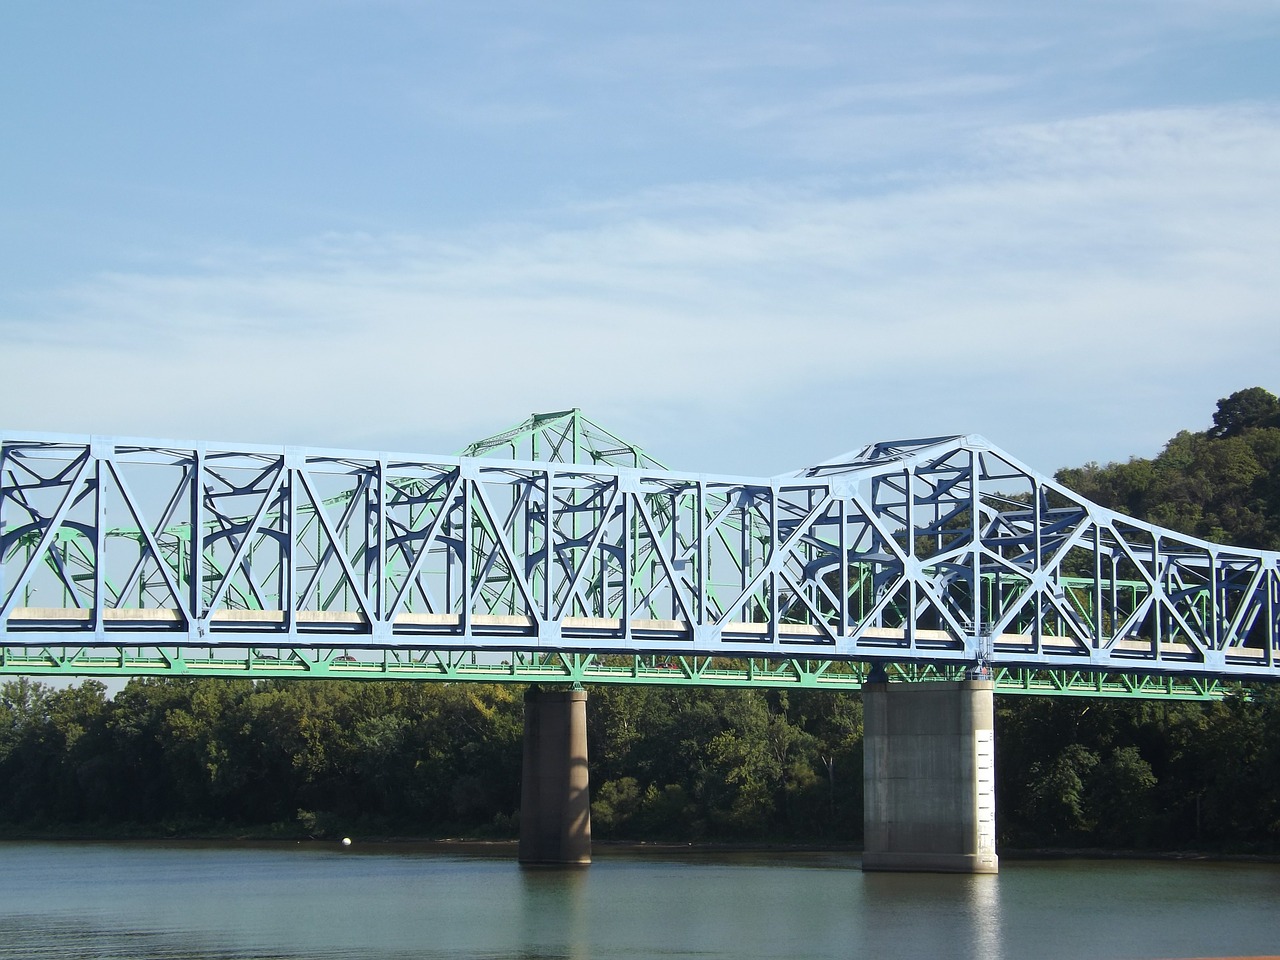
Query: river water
253, 902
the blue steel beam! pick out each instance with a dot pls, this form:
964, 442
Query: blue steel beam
941, 553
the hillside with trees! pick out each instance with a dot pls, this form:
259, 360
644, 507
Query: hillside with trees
294, 758
1222, 484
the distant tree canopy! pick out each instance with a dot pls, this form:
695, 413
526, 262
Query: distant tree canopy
1222, 484
1243, 410
319, 758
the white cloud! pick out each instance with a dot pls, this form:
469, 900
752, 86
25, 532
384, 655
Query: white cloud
1034, 289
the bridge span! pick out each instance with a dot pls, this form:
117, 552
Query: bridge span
556, 552
944, 551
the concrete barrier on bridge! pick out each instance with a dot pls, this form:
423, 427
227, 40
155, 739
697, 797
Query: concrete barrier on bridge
929, 777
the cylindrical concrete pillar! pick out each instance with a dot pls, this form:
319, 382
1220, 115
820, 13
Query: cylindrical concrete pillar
928, 773
555, 796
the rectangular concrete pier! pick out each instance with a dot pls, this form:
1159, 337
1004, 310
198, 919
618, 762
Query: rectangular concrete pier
929, 777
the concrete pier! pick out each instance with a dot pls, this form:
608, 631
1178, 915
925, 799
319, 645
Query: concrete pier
929, 777
555, 798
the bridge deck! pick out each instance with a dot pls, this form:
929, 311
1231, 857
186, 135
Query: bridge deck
477, 629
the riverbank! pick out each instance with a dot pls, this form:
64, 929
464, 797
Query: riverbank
126, 833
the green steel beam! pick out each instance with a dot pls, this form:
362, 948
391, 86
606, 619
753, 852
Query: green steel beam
526, 667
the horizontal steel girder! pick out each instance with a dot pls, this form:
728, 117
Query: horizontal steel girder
942, 553
519, 666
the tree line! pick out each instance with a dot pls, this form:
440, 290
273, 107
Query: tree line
298, 758
304, 758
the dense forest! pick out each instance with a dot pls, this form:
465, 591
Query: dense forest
328, 758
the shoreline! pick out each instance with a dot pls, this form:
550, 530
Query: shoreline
478, 844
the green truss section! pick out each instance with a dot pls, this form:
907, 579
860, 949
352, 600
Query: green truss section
457, 666
563, 437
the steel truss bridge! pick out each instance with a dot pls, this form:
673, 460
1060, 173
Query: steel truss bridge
556, 552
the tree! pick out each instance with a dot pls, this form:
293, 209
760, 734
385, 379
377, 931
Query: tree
1222, 484
1254, 407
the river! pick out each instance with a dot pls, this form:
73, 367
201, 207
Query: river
231, 901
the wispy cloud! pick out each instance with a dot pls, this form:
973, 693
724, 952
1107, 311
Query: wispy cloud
1021, 288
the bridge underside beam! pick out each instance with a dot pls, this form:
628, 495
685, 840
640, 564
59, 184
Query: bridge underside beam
517, 666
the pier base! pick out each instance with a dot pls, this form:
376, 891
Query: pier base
555, 799
929, 777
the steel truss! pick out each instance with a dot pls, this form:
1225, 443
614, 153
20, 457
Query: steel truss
942, 554
521, 666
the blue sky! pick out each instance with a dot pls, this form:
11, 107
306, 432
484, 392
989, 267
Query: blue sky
748, 236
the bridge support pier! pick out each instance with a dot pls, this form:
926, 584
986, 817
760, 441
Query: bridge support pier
929, 781
555, 798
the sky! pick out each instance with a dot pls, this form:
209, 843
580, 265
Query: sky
747, 236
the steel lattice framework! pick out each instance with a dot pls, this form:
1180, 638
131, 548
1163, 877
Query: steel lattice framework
587, 560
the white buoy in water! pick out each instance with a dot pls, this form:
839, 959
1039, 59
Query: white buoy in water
346, 841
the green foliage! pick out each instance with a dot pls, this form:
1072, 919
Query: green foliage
614, 804
1135, 774
323, 758
335, 757
1243, 410
686, 764
1222, 484
311, 757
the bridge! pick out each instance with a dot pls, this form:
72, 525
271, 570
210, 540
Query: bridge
558, 553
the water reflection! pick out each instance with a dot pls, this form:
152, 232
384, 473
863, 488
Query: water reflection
233, 902
39, 937
553, 914
984, 909
963, 916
